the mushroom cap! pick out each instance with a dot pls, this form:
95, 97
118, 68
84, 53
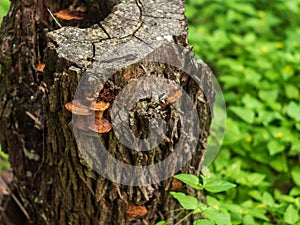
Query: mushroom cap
40, 67
77, 108
136, 210
177, 185
101, 126
99, 106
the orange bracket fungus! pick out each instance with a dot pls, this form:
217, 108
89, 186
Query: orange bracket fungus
133, 211
176, 185
100, 125
77, 108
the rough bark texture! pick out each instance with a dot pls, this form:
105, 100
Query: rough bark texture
53, 179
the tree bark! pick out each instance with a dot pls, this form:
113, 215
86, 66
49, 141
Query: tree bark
60, 177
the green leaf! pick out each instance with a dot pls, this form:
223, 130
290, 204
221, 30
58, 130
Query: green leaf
230, 81
3, 155
255, 179
203, 222
255, 194
232, 207
233, 133
161, 223
268, 199
4, 6
275, 147
259, 213
293, 110
248, 220
287, 72
211, 201
4, 163
291, 215
279, 163
245, 114
268, 95
295, 149
252, 77
197, 2
298, 126
190, 180
291, 91
186, 201
283, 198
265, 117
242, 7
217, 216
200, 209
251, 102
236, 38
295, 191
215, 185
296, 175
190, 11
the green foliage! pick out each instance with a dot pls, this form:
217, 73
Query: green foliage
209, 183
254, 49
4, 164
4, 6
190, 180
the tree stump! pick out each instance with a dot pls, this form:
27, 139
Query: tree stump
132, 54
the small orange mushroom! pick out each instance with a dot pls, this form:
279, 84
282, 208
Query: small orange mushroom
99, 106
40, 67
176, 185
101, 125
134, 211
77, 108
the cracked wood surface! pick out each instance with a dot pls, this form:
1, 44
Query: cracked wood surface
60, 187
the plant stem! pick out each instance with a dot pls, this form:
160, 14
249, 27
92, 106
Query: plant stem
184, 218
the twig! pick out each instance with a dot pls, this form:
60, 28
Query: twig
15, 199
38, 124
146, 71
176, 216
60, 26
184, 218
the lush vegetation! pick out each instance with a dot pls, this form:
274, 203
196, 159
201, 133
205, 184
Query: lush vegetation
254, 50
4, 5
